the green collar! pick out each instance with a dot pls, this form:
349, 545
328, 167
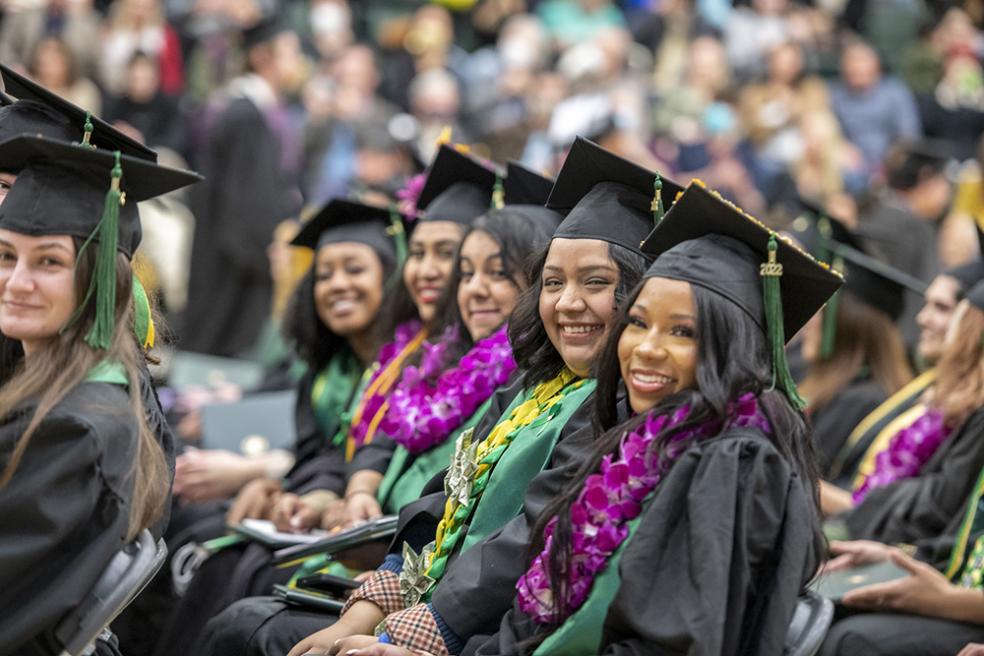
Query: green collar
113, 373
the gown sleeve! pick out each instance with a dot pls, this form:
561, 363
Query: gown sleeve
715, 566
65, 513
914, 509
833, 423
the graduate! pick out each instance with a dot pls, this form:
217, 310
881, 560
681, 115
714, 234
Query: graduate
82, 471
912, 483
855, 353
556, 331
941, 299
626, 560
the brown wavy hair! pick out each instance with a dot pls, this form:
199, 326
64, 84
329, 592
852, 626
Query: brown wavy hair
864, 336
47, 377
959, 387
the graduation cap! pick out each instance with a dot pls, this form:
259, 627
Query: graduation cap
967, 275
526, 192
909, 163
459, 188
71, 189
707, 241
343, 220
608, 198
75, 124
263, 31
976, 296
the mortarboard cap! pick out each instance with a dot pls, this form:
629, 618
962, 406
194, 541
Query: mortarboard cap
967, 275
707, 241
459, 188
607, 197
61, 188
263, 31
350, 221
526, 192
976, 296
103, 135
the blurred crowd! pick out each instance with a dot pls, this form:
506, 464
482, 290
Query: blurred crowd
872, 109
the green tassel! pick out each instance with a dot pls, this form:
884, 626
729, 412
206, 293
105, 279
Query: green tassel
87, 131
657, 204
498, 193
103, 283
828, 339
399, 234
771, 273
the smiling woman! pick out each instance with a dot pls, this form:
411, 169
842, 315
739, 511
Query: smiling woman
81, 469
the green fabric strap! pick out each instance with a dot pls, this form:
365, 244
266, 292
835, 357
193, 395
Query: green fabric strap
525, 457
113, 373
403, 484
580, 634
971, 527
332, 393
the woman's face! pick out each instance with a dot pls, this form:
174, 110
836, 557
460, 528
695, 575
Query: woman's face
577, 299
348, 287
37, 286
486, 294
429, 265
657, 351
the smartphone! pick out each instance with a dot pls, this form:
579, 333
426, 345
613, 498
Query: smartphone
336, 585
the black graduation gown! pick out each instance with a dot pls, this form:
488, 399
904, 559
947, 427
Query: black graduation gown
832, 424
918, 508
723, 549
259, 626
65, 511
243, 198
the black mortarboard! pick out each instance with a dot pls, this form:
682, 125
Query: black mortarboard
707, 241
262, 31
61, 188
967, 275
870, 280
976, 296
526, 192
908, 164
607, 197
346, 220
459, 188
103, 135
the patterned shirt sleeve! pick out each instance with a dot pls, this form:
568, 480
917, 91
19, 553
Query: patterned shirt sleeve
415, 628
382, 589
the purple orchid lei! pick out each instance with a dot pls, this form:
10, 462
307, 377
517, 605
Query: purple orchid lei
402, 336
906, 453
613, 497
422, 414
410, 194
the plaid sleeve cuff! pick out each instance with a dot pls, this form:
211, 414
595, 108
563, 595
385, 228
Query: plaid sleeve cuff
416, 628
382, 589
453, 642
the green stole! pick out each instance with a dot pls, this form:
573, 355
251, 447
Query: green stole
580, 634
113, 373
965, 555
525, 457
333, 392
403, 484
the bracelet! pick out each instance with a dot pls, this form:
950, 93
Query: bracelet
349, 495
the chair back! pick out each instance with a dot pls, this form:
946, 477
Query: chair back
808, 628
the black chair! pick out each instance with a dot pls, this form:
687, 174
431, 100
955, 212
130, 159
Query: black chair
809, 625
124, 578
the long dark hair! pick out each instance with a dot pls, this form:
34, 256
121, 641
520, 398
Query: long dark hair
732, 359
313, 341
535, 354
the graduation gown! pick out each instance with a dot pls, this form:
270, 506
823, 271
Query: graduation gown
833, 423
918, 508
722, 550
237, 207
65, 511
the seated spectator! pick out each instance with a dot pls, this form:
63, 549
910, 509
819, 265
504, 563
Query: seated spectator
53, 66
143, 110
24, 24
139, 26
874, 110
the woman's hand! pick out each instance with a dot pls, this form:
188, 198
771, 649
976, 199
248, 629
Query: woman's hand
924, 592
855, 553
333, 515
834, 500
352, 643
292, 514
360, 618
360, 507
205, 475
973, 649
392, 650
255, 501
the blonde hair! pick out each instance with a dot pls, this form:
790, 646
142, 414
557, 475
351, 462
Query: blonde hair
64, 362
959, 388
